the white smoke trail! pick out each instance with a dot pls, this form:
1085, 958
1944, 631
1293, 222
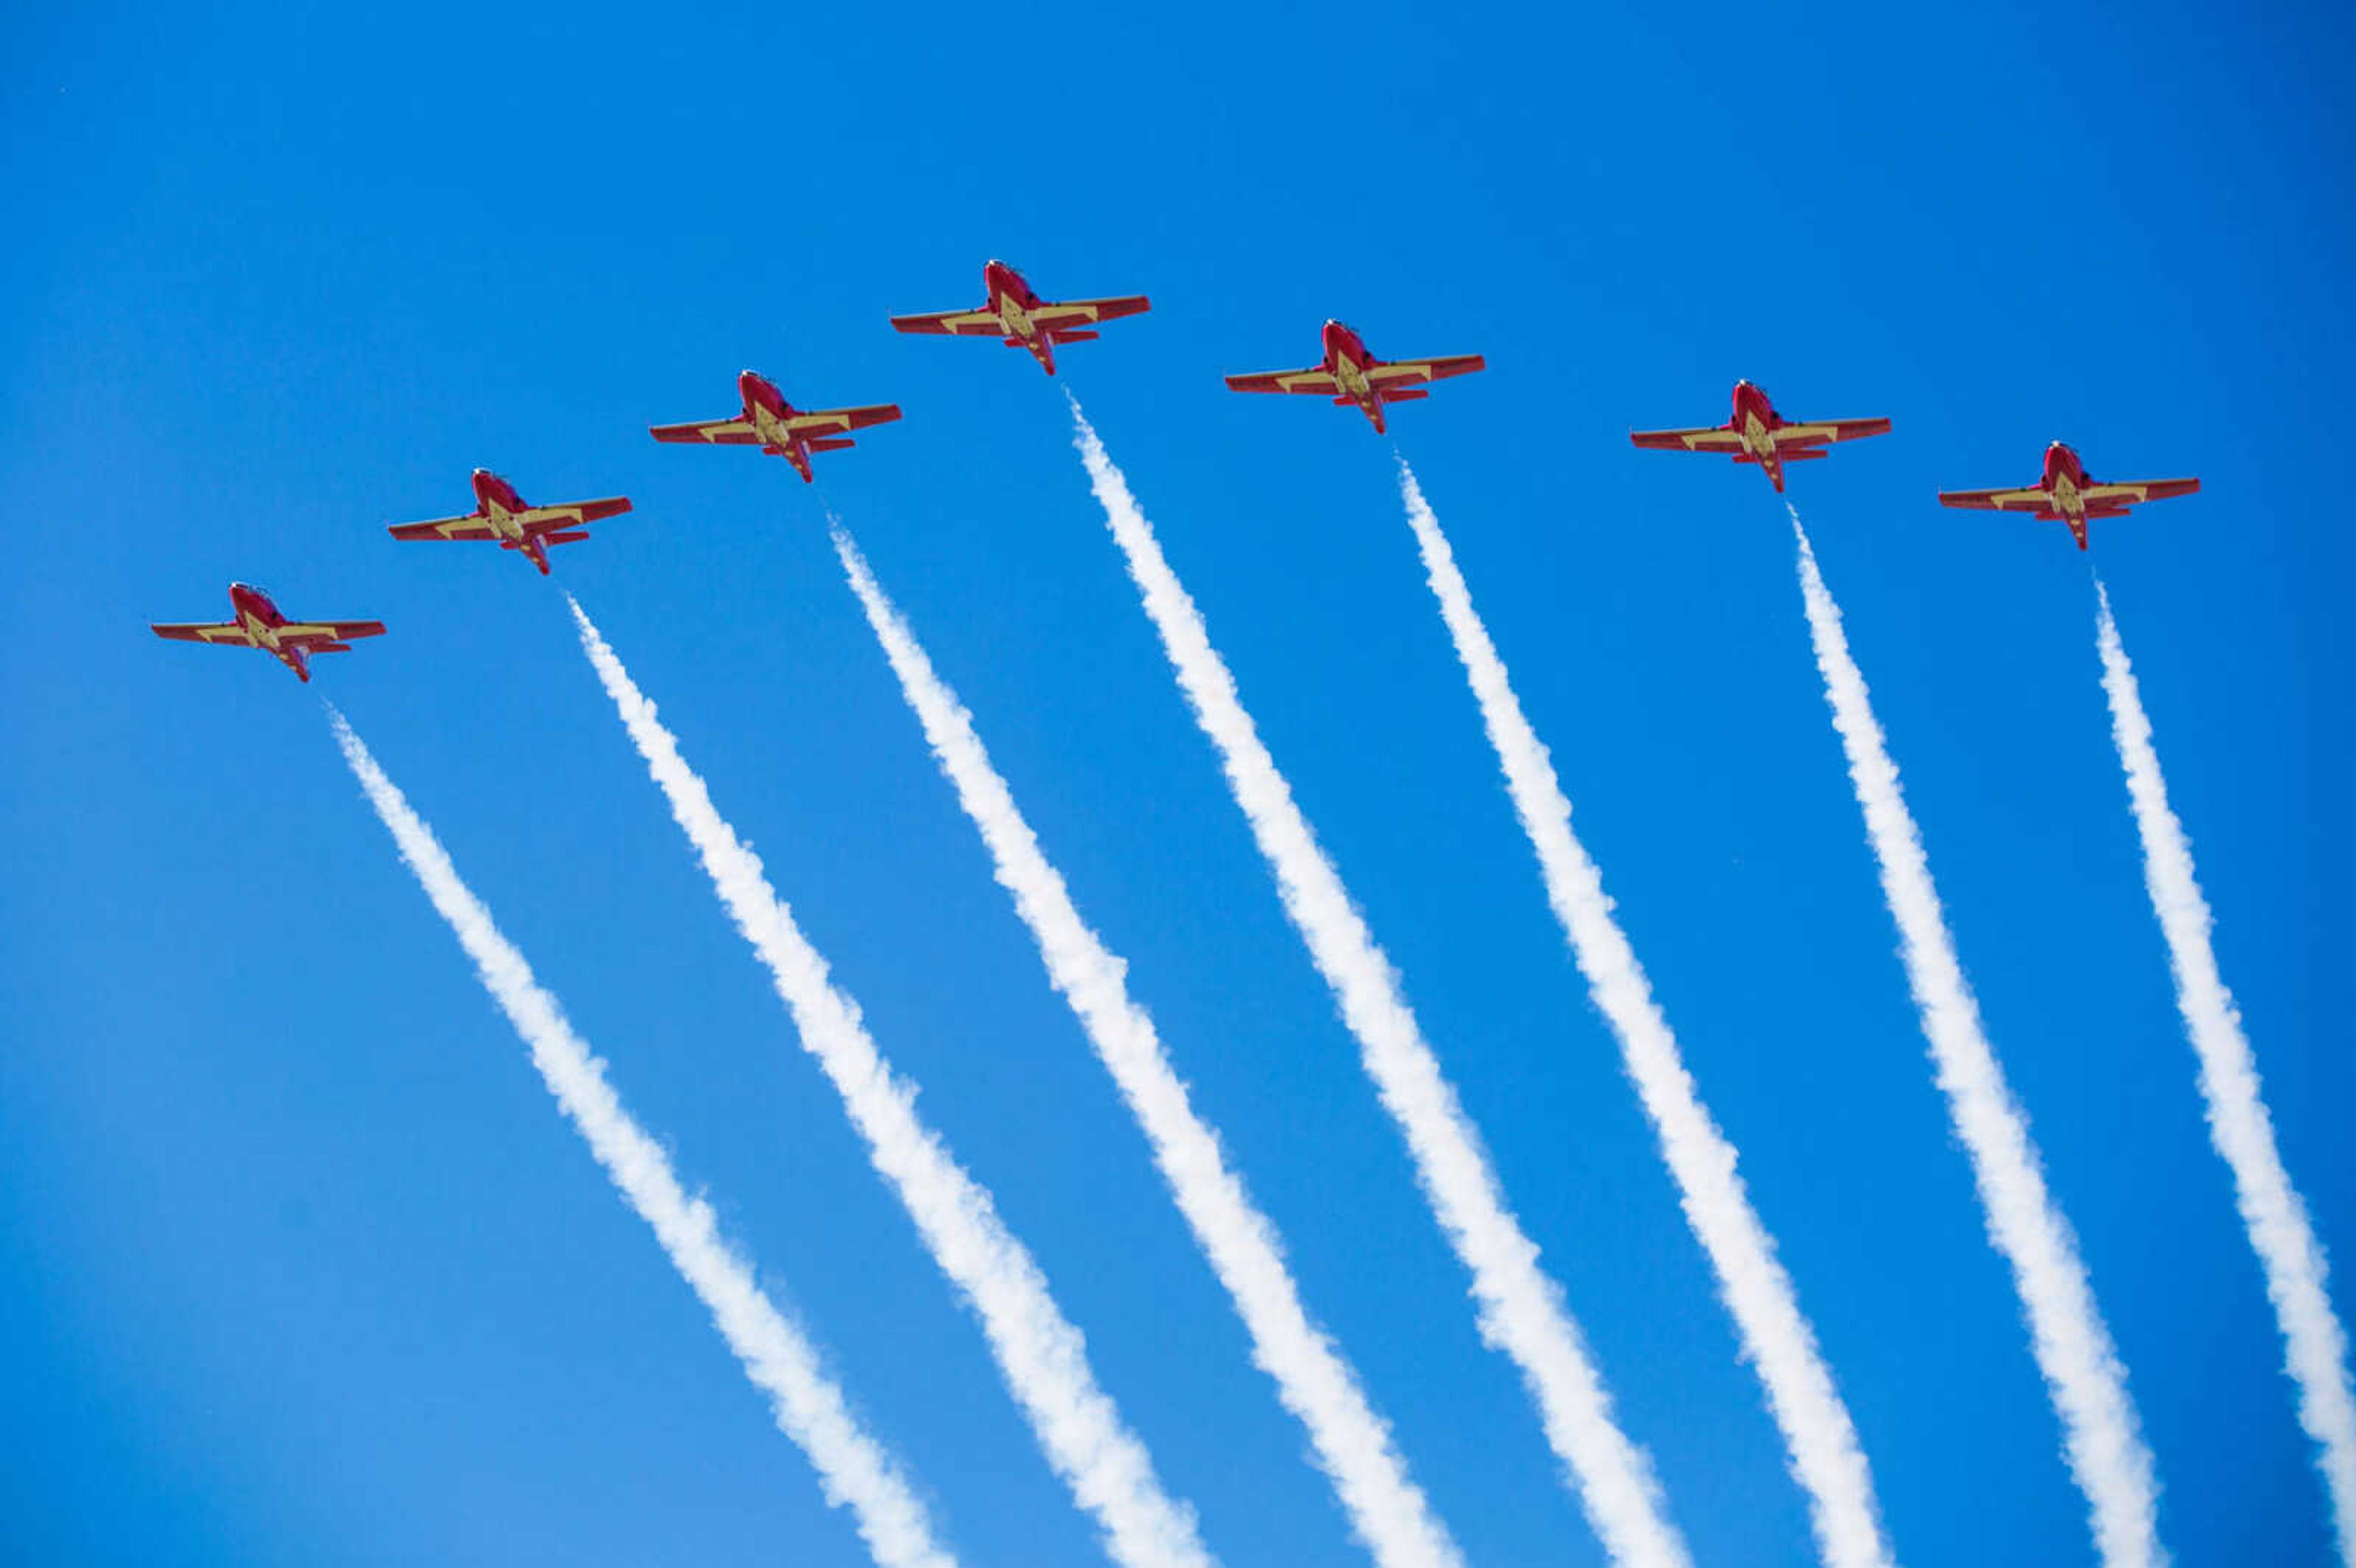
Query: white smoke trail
1040, 1354
2244, 1132
2083, 1371
1776, 1337
852, 1468
1387, 1508
1521, 1309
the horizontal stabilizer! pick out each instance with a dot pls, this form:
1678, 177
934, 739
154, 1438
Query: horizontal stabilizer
836, 443
563, 538
1077, 336
1403, 397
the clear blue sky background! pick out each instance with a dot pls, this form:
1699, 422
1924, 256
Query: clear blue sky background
301, 1266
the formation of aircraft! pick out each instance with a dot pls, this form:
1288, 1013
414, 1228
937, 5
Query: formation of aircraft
515, 523
778, 427
259, 624
1350, 374
1758, 434
2066, 493
1011, 310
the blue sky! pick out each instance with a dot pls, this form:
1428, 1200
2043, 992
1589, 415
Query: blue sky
304, 1266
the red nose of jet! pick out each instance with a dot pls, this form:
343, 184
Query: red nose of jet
483, 479
749, 386
998, 277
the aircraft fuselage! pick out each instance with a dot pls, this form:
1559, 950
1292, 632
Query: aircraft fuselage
1013, 300
1754, 423
1346, 360
259, 618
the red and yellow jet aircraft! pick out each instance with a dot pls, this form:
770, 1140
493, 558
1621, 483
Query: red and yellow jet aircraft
778, 427
502, 515
1350, 375
1756, 433
260, 625
2067, 492
1012, 311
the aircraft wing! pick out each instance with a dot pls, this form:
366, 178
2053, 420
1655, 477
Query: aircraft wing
472, 526
1709, 438
953, 323
1061, 314
329, 631
1413, 372
228, 634
2032, 499
533, 519
571, 513
2138, 490
1823, 433
719, 432
1316, 380
816, 421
